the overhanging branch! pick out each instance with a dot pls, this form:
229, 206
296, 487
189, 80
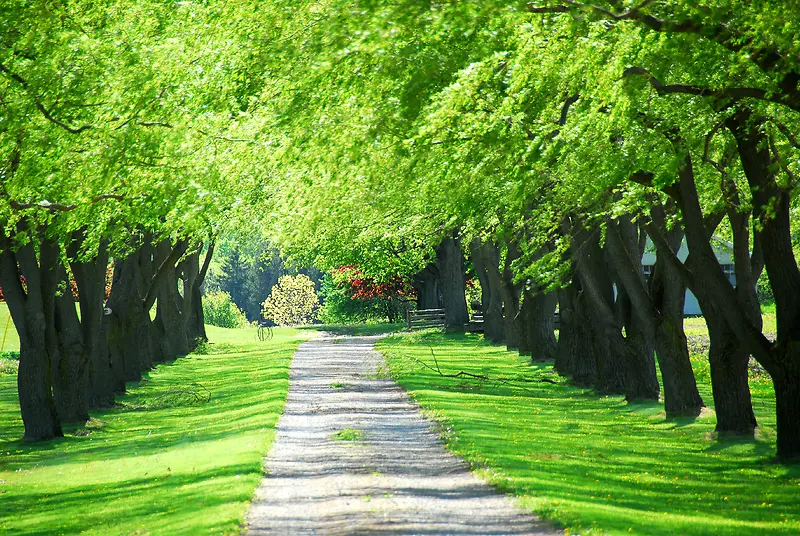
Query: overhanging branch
729, 93
38, 103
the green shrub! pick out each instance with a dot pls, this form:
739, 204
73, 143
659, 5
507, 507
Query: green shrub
764, 289
9, 362
219, 310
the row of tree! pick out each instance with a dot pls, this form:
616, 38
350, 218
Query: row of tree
553, 142
118, 129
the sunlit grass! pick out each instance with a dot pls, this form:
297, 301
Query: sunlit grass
166, 462
596, 464
9, 340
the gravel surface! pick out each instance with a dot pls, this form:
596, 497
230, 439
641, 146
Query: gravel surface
353, 455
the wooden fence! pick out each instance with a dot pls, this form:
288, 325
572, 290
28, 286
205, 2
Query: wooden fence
426, 318
434, 318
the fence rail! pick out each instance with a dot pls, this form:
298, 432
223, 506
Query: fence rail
426, 318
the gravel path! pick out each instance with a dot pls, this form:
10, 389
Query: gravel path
395, 479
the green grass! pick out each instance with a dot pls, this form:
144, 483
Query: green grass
596, 464
347, 434
166, 461
7, 331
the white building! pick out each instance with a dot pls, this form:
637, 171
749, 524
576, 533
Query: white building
722, 248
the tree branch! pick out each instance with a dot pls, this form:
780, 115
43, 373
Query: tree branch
39, 106
168, 264
729, 93
206, 263
58, 207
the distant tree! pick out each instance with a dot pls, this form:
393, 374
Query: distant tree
293, 301
350, 291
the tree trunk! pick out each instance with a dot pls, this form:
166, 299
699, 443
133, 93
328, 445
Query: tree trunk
575, 353
426, 283
150, 260
729, 383
787, 404
668, 294
623, 253
33, 312
128, 330
641, 377
681, 396
486, 258
197, 323
450, 262
772, 210
170, 321
538, 310
611, 354
90, 277
71, 366
511, 292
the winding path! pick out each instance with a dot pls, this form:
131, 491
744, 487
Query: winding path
396, 478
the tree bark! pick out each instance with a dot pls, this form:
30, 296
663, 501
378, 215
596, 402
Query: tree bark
668, 293
90, 277
426, 283
511, 292
787, 404
192, 299
170, 321
538, 310
719, 302
484, 257
729, 384
450, 262
624, 249
33, 313
575, 356
128, 330
611, 354
71, 365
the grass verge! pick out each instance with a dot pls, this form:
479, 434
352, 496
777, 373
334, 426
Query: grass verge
597, 465
169, 460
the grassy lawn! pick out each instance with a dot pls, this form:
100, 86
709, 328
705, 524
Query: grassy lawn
596, 464
7, 331
167, 461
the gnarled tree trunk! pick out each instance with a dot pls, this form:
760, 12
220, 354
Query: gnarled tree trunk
538, 308
426, 283
33, 312
170, 322
450, 262
484, 257
575, 352
90, 277
71, 365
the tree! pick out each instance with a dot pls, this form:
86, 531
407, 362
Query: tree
293, 301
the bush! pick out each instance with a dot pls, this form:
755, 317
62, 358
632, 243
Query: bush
339, 308
764, 289
9, 362
293, 301
219, 310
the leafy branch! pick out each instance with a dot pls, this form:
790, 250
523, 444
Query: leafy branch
730, 93
38, 103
